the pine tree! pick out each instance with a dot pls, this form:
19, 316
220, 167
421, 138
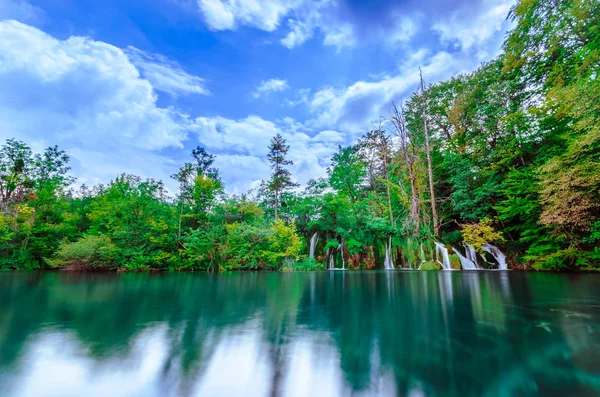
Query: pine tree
281, 179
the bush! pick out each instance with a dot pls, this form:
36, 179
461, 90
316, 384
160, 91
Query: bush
246, 247
89, 252
305, 265
285, 243
255, 247
481, 233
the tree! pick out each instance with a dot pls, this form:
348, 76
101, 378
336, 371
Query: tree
199, 186
377, 146
409, 153
424, 112
16, 169
281, 179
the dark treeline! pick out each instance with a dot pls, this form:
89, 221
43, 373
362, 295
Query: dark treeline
508, 154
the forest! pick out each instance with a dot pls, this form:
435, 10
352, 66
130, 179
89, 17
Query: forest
507, 155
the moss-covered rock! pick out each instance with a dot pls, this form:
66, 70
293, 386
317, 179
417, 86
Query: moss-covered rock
430, 266
455, 262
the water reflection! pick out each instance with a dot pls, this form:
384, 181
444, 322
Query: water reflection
299, 334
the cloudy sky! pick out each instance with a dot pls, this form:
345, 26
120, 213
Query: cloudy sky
134, 85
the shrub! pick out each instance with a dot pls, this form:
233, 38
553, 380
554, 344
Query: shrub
481, 233
246, 246
254, 247
89, 252
285, 243
305, 265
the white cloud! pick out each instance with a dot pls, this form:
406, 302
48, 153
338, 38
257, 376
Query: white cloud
228, 14
249, 135
166, 75
329, 136
339, 36
20, 10
271, 85
403, 31
468, 32
299, 97
354, 109
303, 19
468, 23
241, 147
88, 97
299, 33
242, 172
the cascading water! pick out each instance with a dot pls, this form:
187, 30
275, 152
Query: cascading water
422, 254
331, 259
341, 249
445, 262
497, 254
471, 254
313, 245
465, 262
389, 260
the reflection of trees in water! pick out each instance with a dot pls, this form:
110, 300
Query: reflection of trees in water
445, 333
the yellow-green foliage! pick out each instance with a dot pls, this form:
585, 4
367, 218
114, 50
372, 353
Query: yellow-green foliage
481, 233
255, 247
284, 242
88, 252
430, 266
6, 234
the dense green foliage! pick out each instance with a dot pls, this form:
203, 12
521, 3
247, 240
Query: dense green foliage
508, 154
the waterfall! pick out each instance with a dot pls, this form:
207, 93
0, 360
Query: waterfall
497, 254
471, 254
331, 259
445, 262
313, 244
389, 259
422, 254
341, 249
465, 262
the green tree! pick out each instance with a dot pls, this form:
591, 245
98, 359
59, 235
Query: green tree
281, 178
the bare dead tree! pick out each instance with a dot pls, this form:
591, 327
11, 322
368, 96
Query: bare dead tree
409, 153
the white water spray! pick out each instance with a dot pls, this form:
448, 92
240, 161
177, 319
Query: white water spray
465, 262
389, 259
313, 245
497, 254
422, 254
445, 262
471, 254
341, 249
331, 259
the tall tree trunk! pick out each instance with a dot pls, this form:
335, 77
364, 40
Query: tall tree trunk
276, 204
276, 192
429, 166
387, 179
431, 188
414, 200
180, 217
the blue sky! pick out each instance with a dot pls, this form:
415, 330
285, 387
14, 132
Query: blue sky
134, 85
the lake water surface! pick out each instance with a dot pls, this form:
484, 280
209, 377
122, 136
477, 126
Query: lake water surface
300, 334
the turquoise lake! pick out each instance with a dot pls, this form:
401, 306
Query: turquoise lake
405, 333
